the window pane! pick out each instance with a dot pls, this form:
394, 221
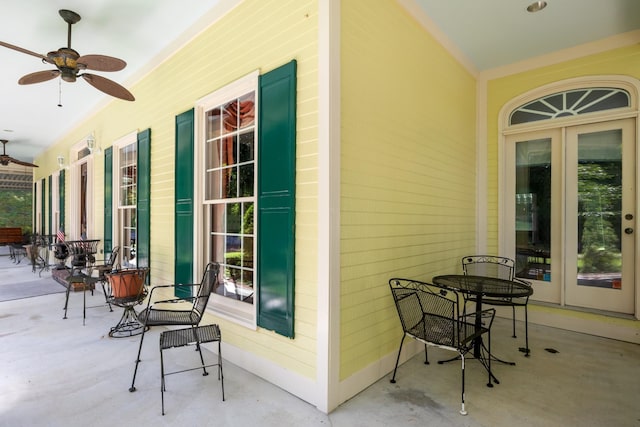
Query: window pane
213, 185
246, 180
246, 147
234, 218
217, 220
533, 209
217, 248
600, 209
229, 147
212, 154
230, 183
213, 123
230, 115
247, 110
247, 252
247, 218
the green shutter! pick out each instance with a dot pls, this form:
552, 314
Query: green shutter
42, 211
50, 207
108, 200
184, 202
61, 190
143, 208
34, 220
276, 199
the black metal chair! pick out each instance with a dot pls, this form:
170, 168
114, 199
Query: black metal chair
434, 319
107, 266
155, 315
502, 268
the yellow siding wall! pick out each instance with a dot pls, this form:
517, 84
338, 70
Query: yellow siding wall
257, 34
623, 61
407, 169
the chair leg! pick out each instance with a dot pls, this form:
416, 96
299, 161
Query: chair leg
513, 320
426, 356
135, 371
489, 384
527, 351
162, 385
393, 378
463, 411
66, 300
198, 347
220, 373
106, 298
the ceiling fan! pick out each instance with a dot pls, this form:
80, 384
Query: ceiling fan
5, 159
69, 64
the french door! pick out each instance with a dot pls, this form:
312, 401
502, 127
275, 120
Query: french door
570, 213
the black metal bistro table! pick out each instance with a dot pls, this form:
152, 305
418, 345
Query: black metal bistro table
482, 286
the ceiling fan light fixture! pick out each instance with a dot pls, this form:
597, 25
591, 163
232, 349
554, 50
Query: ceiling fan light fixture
536, 6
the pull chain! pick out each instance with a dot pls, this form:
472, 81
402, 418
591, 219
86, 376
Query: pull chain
59, 92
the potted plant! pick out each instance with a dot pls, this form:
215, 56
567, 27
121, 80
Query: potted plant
127, 283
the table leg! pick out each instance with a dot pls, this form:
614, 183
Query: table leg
477, 344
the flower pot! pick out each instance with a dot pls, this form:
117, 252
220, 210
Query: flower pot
127, 283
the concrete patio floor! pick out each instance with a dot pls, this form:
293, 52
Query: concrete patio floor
56, 372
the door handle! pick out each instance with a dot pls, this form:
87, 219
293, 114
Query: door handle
628, 230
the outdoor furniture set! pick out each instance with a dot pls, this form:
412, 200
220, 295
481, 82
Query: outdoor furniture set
436, 314
129, 287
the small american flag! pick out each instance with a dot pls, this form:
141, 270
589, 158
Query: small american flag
60, 235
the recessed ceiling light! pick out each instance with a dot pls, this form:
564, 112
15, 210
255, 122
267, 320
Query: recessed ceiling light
536, 6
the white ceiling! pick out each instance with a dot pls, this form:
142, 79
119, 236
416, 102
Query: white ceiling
489, 33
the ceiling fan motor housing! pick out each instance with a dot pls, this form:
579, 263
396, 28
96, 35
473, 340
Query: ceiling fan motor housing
65, 59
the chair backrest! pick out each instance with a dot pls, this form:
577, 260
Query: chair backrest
209, 279
113, 257
488, 266
426, 315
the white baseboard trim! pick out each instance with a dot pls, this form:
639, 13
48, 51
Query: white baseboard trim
301, 387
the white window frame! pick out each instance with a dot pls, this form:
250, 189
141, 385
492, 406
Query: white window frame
116, 219
55, 203
235, 311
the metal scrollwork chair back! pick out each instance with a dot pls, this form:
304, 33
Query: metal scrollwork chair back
434, 319
502, 268
157, 314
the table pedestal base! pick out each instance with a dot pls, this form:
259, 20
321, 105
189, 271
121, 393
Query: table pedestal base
128, 326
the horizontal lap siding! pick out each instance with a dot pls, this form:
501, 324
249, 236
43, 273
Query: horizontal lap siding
407, 170
257, 34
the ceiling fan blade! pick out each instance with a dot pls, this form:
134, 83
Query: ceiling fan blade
38, 77
20, 162
23, 50
101, 63
108, 86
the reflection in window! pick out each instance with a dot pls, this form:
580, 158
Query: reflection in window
128, 175
533, 209
229, 188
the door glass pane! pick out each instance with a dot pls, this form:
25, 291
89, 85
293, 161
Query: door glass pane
599, 209
533, 209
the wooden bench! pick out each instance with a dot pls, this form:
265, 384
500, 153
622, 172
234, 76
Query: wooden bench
9, 235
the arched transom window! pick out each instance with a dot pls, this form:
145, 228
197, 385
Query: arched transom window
570, 103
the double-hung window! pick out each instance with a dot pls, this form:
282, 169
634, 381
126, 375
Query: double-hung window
128, 179
245, 193
228, 178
